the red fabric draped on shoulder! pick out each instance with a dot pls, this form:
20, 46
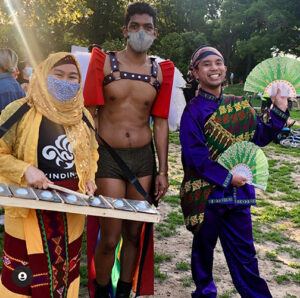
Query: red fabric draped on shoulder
161, 105
93, 87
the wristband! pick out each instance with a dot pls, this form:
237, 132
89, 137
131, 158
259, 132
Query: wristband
163, 174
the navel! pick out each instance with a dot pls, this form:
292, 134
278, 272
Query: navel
112, 98
127, 135
146, 103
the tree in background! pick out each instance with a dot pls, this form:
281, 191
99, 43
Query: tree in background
43, 23
246, 31
179, 47
249, 31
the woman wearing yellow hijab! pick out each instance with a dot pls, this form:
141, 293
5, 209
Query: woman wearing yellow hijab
49, 144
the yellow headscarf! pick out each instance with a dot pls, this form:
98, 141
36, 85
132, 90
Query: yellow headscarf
64, 113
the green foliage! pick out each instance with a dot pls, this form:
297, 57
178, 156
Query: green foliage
174, 182
246, 32
272, 235
43, 24
262, 203
169, 226
175, 218
226, 294
83, 275
280, 179
257, 232
271, 214
293, 252
174, 138
179, 47
289, 276
282, 278
159, 275
160, 258
113, 45
294, 265
275, 237
172, 159
295, 277
183, 266
187, 281
295, 115
174, 201
295, 214
271, 255
235, 89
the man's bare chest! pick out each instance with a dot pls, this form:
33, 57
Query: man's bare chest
123, 91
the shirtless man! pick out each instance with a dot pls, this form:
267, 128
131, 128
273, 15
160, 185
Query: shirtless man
133, 87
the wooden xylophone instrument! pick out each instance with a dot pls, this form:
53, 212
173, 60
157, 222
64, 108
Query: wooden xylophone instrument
64, 200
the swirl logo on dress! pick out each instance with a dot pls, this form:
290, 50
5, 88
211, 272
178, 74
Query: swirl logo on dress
62, 152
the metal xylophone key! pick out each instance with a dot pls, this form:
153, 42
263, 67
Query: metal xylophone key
22, 192
99, 202
47, 195
120, 204
142, 206
72, 199
4, 190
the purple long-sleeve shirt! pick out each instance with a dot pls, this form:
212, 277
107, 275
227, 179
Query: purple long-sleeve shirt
195, 154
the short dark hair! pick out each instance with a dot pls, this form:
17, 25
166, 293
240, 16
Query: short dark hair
140, 8
94, 45
22, 65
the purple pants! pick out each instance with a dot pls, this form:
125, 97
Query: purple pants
233, 225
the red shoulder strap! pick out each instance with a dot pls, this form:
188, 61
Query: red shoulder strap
161, 105
92, 91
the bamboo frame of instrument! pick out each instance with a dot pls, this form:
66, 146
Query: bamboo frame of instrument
86, 210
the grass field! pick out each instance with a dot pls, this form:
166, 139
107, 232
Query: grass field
238, 90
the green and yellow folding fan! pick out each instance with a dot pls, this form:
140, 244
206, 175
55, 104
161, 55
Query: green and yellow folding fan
274, 73
248, 160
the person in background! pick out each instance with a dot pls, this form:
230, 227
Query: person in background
231, 78
10, 89
291, 103
298, 102
266, 103
93, 45
192, 87
25, 73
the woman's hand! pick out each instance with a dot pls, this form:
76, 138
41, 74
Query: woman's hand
36, 178
90, 188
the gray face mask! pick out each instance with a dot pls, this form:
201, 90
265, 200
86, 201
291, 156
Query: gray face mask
140, 41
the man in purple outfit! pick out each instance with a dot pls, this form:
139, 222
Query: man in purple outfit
216, 203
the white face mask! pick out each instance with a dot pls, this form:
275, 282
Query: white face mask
140, 41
